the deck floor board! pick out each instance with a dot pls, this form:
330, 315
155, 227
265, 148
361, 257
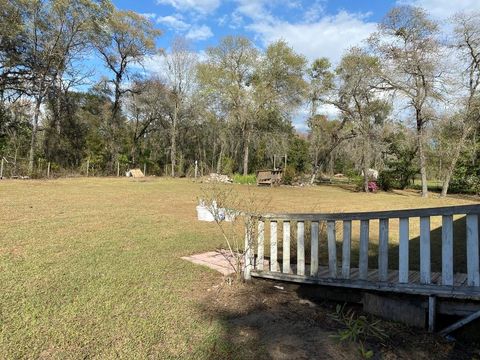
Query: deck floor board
460, 279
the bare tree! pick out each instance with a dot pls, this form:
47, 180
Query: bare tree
180, 66
54, 33
467, 44
125, 38
408, 45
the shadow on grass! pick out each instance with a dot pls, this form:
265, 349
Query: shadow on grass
272, 320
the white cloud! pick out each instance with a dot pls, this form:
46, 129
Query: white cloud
315, 11
328, 37
174, 22
442, 9
150, 16
154, 64
255, 10
199, 33
201, 6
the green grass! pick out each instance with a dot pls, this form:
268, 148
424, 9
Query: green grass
91, 268
250, 179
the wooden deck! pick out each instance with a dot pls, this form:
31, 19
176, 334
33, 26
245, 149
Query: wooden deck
460, 279
459, 289
368, 276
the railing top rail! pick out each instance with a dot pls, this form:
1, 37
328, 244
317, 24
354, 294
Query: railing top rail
370, 215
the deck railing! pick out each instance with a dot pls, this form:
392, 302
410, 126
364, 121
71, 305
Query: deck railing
255, 245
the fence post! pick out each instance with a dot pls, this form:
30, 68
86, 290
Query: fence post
145, 169
118, 168
88, 165
196, 168
1, 169
48, 170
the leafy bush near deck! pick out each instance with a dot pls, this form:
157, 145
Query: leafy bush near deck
250, 179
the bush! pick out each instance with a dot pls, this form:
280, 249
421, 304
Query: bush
289, 175
464, 185
227, 165
386, 181
359, 182
250, 179
372, 186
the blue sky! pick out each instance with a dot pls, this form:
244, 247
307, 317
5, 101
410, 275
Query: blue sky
315, 28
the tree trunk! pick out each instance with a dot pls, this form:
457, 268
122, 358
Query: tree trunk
365, 166
33, 141
174, 138
315, 169
423, 163
220, 158
453, 162
365, 178
133, 151
245, 153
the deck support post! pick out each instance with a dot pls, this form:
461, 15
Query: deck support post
432, 304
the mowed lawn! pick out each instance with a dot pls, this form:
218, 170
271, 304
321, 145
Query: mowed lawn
91, 268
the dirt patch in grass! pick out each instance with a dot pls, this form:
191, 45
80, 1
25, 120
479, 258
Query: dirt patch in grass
269, 320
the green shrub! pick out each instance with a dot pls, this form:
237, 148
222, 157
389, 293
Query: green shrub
289, 175
358, 181
227, 165
250, 179
386, 181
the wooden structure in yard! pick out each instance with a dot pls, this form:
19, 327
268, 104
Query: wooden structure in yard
135, 173
269, 177
370, 275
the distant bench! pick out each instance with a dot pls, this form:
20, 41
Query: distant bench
269, 177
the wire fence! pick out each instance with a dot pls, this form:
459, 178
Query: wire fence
18, 168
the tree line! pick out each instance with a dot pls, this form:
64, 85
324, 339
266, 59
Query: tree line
405, 102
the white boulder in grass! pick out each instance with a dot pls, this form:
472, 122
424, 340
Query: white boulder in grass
213, 212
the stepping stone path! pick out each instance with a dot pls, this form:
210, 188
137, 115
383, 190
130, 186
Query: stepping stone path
221, 260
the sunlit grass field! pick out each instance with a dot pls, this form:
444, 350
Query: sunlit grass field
91, 268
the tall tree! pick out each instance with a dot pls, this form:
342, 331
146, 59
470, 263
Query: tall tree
353, 92
407, 42
125, 38
143, 112
256, 93
53, 33
467, 117
228, 72
180, 74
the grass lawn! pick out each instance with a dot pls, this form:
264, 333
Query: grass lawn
91, 268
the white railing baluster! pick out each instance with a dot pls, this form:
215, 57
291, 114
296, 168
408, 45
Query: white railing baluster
383, 250
286, 248
346, 246
332, 249
447, 250
314, 249
300, 248
473, 278
363, 257
273, 246
260, 245
403, 250
425, 267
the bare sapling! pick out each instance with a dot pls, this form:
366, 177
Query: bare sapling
235, 215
